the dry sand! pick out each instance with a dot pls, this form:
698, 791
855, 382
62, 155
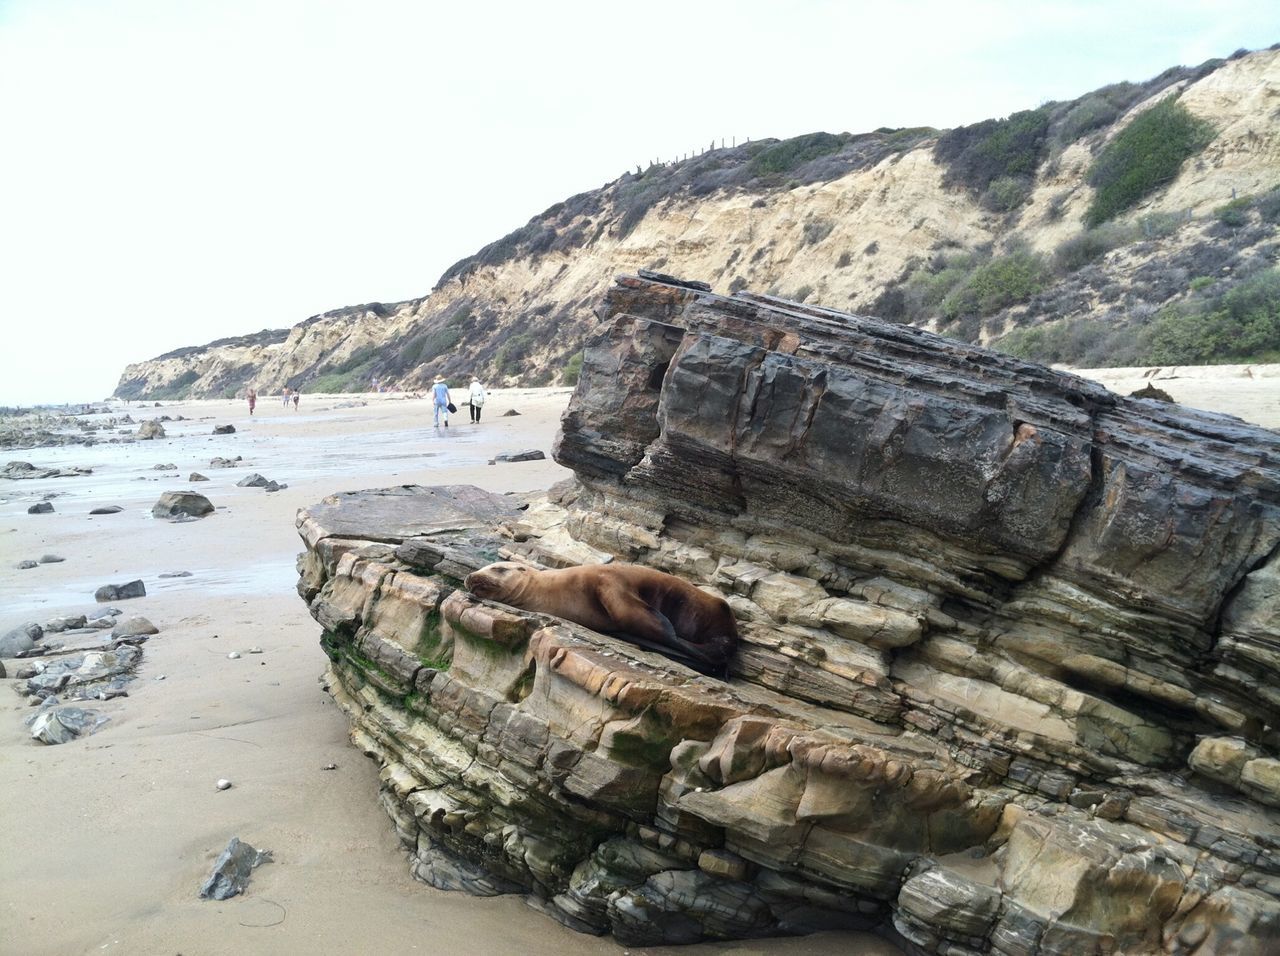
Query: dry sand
1251, 392
107, 839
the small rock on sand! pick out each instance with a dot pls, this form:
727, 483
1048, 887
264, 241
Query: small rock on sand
119, 592
234, 656
174, 503
223, 784
25, 565
107, 510
42, 508
196, 476
20, 639
510, 412
224, 429
136, 626
253, 480
51, 559
150, 430
175, 574
529, 454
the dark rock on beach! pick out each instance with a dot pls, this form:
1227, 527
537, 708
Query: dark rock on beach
20, 639
231, 871
150, 430
221, 462
27, 565
107, 510
196, 476
120, 592
531, 454
224, 429
24, 469
173, 503
40, 508
253, 480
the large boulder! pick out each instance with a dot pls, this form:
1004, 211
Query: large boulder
150, 430
173, 503
1007, 678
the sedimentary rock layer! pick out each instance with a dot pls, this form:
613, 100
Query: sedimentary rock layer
1008, 679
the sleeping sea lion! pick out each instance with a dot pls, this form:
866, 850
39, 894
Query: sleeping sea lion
646, 607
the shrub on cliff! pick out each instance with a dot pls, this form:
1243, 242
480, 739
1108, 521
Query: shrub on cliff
1242, 325
790, 153
1145, 155
978, 155
995, 285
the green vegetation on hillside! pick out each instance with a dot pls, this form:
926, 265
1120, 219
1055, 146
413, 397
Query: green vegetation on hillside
978, 155
791, 154
1239, 325
1145, 155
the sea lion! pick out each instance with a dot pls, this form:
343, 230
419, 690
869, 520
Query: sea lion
649, 608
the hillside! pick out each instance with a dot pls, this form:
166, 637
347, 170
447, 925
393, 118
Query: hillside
1136, 224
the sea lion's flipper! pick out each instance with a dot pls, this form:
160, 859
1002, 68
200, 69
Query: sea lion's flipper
646, 627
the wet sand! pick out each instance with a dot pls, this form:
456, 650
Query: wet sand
107, 839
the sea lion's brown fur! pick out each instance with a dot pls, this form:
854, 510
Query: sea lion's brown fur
641, 605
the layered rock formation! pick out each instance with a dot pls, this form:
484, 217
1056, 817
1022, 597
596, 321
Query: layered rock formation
1008, 679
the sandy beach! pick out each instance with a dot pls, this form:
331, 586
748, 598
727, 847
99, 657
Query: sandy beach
108, 838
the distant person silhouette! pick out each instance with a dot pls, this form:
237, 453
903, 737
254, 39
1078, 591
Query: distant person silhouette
296, 396
253, 401
440, 401
477, 400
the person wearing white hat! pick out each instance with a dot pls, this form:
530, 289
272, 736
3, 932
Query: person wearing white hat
441, 401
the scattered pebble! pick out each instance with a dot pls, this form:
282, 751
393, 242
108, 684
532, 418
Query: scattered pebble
223, 784
234, 655
330, 766
159, 677
255, 650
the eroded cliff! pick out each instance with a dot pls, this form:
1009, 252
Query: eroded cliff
868, 221
1008, 672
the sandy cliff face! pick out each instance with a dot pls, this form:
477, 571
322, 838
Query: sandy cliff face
840, 240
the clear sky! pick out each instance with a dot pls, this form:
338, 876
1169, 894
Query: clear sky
176, 171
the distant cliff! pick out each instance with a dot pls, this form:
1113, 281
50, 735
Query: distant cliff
1064, 233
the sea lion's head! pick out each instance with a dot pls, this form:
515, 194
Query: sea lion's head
500, 581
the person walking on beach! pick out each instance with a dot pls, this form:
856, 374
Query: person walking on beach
296, 395
440, 400
253, 400
284, 397
477, 400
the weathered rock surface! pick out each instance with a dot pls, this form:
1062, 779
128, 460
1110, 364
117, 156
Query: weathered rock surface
196, 476
1008, 679
24, 469
40, 508
150, 430
173, 503
58, 725
119, 592
529, 454
224, 429
106, 510
231, 870
221, 462
252, 480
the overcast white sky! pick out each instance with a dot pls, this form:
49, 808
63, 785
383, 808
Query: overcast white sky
176, 171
